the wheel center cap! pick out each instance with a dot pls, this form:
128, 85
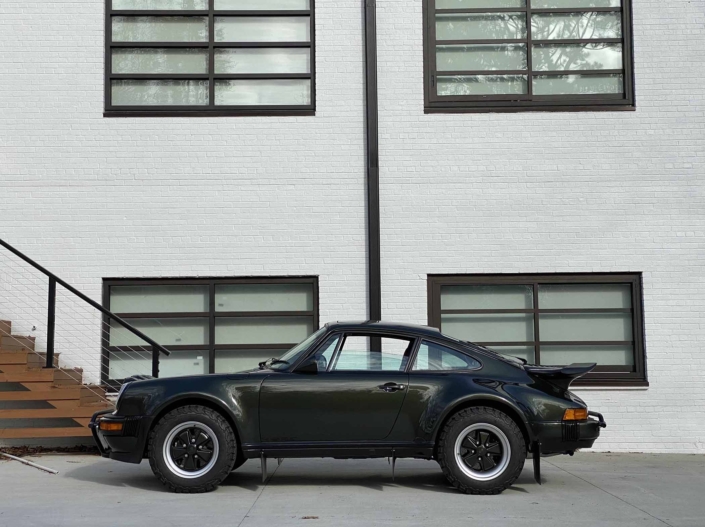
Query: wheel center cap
192, 449
481, 450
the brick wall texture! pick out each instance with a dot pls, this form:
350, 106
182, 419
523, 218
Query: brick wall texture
93, 197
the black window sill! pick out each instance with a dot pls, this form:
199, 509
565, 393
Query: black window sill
515, 109
212, 113
609, 384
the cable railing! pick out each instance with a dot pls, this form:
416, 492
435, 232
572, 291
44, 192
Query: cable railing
80, 323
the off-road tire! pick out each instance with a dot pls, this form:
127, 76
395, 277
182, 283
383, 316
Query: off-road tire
446, 450
227, 449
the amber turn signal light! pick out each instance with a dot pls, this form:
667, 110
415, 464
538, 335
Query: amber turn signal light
110, 426
575, 414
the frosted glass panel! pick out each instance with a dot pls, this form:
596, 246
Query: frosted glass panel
262, 5
578, 84
481, 57
159, 93
480, 26
586, 327
262, 330
262, 29
549, 4
523, 352
151, 60
126, 364
166, 331
162, 5
263, 60
583, 26
240, 360
477, 4
585, 296
512, 327
159, 299
264, 297
160, 29
553, 57
263, 92
487, 297
179, 363
481, 85
602, 355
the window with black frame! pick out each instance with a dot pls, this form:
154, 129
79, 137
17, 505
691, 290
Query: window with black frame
215, 57
532, 54
208, 325
549, 319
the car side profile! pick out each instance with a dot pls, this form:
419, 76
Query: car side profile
355, 390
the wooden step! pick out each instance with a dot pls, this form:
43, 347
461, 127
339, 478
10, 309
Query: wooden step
29, 376
68, 377
33, 433
18, 357
75, 411
52, 394
5, 327
17, 343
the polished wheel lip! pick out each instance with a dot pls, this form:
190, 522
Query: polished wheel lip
172, 436
501, 465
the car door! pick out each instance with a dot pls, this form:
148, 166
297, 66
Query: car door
356, 395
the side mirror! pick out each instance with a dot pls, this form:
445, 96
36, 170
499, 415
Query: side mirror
310, 366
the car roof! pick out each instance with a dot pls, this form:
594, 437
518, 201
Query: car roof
418, 330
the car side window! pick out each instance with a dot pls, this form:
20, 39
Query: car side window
356, 353
434, 357
325, 353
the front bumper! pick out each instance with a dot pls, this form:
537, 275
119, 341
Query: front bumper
126, 445
565, 437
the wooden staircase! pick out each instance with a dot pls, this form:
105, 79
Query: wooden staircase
38, 405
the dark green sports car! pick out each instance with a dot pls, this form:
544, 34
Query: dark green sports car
355, 390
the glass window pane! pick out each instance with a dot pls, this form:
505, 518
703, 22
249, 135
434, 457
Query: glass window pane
263, 60
481, 57
481, 85
262, 330
478, 4
550, 4
523, 352
356, 354
264, 297
128, 363
262, 5
622, 355
585, 296
482, 26
487, 297
227, 361
324, 355
162, 5
578, 84
436, 357
580, 26
159, 93
159, 299
160, 29
555, 57
262, 29
505, 327
179, 363
585, 327
289, 92
153, 60
164, 331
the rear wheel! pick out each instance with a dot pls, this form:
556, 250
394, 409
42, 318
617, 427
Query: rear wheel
481, 450
192, 449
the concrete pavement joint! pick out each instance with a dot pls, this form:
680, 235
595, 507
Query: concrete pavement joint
266, 482
608, 492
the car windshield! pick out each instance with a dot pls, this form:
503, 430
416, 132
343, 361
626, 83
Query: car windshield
293, 354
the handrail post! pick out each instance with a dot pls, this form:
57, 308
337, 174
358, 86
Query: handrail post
155, 363
51, 322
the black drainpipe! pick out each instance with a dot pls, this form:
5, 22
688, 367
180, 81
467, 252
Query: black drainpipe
373, 219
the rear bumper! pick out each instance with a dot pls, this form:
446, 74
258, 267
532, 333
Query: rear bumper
565, 437
126, 445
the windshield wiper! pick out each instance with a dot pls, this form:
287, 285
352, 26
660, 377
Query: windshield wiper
271, 362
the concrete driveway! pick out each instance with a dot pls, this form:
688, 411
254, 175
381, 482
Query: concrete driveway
589, 489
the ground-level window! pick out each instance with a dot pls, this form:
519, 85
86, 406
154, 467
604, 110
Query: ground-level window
549, 319
209, 325
528, 54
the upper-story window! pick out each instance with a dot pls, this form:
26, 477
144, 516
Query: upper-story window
206, 57
490, 55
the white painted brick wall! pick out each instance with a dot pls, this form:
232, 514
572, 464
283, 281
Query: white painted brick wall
563, 192
476, 193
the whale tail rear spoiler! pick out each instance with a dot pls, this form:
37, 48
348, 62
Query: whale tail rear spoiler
561, 376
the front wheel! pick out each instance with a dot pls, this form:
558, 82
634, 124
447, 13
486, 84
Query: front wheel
481, 450
192, 449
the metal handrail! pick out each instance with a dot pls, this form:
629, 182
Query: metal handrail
51, 317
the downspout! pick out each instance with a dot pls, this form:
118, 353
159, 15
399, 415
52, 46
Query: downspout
372, 131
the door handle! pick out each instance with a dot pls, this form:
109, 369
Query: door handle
391, 387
